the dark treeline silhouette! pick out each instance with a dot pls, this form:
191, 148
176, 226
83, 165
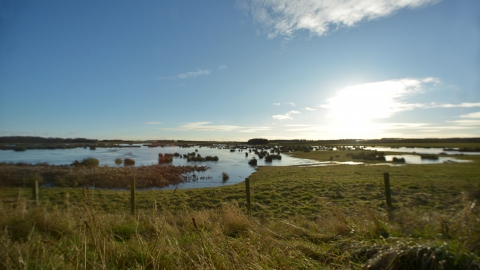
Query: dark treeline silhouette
33, 139
258, 141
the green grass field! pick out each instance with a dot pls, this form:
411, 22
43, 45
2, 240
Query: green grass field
331, 217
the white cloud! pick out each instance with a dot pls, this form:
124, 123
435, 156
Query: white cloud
466, 122
471, 115
198, 72
186, 75
310, 109
284, 17
461, 105
286, 116
223, 67
291, 104
253, 129
206, 126
375, 100
276, 104
152, 123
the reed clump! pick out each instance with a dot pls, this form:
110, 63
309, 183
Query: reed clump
104, 177
128, 162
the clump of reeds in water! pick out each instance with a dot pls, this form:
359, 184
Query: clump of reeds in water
253, 162
210, 158
118, 161
225, 176
368, 155
128, 162
430, 157
198, 157
88, 162
167, 158
398, 160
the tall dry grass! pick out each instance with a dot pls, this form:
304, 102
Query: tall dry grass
225, 237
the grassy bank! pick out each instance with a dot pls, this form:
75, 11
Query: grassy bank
317, 217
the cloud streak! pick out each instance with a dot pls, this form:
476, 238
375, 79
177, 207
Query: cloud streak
207, 126
187, 75
471, 115
198, 72
286, 116
284, 17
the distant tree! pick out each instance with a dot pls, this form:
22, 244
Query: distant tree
258, 141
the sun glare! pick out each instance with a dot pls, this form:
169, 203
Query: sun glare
353, 110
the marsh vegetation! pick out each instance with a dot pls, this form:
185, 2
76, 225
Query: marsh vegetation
302, 218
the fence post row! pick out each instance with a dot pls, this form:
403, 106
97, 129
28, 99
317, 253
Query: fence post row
386, 180
35, 192
247, 187
132, 197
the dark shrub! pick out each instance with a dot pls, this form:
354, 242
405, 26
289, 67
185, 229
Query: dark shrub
210, 158
128, 162
253, 162
258, 141
88, 162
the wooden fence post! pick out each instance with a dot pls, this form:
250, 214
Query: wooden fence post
386, 179
35, 192
132, 197
247, 187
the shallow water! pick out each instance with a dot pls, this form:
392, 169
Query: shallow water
416, 159
419, 150
235, 164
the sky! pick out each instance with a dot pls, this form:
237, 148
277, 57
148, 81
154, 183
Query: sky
223, 70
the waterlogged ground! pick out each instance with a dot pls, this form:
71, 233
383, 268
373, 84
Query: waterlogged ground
234, 164
324, 217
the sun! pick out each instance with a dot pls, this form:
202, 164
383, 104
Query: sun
353, 110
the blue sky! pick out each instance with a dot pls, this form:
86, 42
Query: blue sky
235, 70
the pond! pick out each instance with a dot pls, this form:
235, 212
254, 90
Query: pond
235, 164
420, 150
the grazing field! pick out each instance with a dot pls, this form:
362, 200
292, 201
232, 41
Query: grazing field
331, 217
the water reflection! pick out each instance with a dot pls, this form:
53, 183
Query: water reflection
419, 150
234, 163
416, 159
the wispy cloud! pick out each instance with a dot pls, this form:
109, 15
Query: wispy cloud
291, 104
254, 129
152, 123
207, 126
310, 109
376, 100
276, 104
198, 72
223, 67
471, 115
284, 17
466, 122
286, 116
190, 74
461, 105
